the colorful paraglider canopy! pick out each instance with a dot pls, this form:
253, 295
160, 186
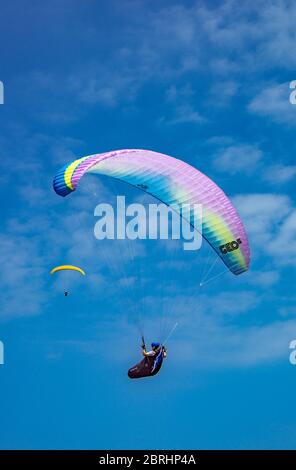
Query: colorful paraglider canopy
175, 183
67, 267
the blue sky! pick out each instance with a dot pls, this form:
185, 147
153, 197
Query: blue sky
207, 82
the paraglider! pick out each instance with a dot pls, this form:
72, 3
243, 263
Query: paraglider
174, 183
67, 267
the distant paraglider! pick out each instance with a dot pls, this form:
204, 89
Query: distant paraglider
67, 267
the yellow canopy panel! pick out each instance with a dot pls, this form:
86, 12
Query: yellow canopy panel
67, 267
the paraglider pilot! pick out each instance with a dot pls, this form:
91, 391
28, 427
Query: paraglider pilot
155, 349
151, 363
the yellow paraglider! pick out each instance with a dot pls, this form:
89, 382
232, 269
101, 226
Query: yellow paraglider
67, 267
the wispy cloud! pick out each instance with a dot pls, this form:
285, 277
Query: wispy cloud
229, 346
183, 113
169, 45
22, 276
184, 106
238, 158
270, 220
273, 102
264, 279
285, 237
279, 174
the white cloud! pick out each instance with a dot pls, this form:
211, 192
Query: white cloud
256, 37
222, 92
185, 113
283, 245
184, 106
166, 44
280, 174
223, 303
238, 158
220, 140
262, 214
264, 279
273, 102
22, 276
270, 221
276, 33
